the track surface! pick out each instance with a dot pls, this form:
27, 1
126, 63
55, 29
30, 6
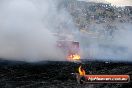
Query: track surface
57, 74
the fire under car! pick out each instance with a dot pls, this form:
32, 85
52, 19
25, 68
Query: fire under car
71, 49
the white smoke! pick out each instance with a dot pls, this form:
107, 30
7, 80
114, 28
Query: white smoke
26, 28
115, 48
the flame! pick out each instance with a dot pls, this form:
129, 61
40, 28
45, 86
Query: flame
81, 71
74, 57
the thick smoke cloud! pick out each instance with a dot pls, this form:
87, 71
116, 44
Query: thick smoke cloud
26, 28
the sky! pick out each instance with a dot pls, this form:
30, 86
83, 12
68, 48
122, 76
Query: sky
114, 2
